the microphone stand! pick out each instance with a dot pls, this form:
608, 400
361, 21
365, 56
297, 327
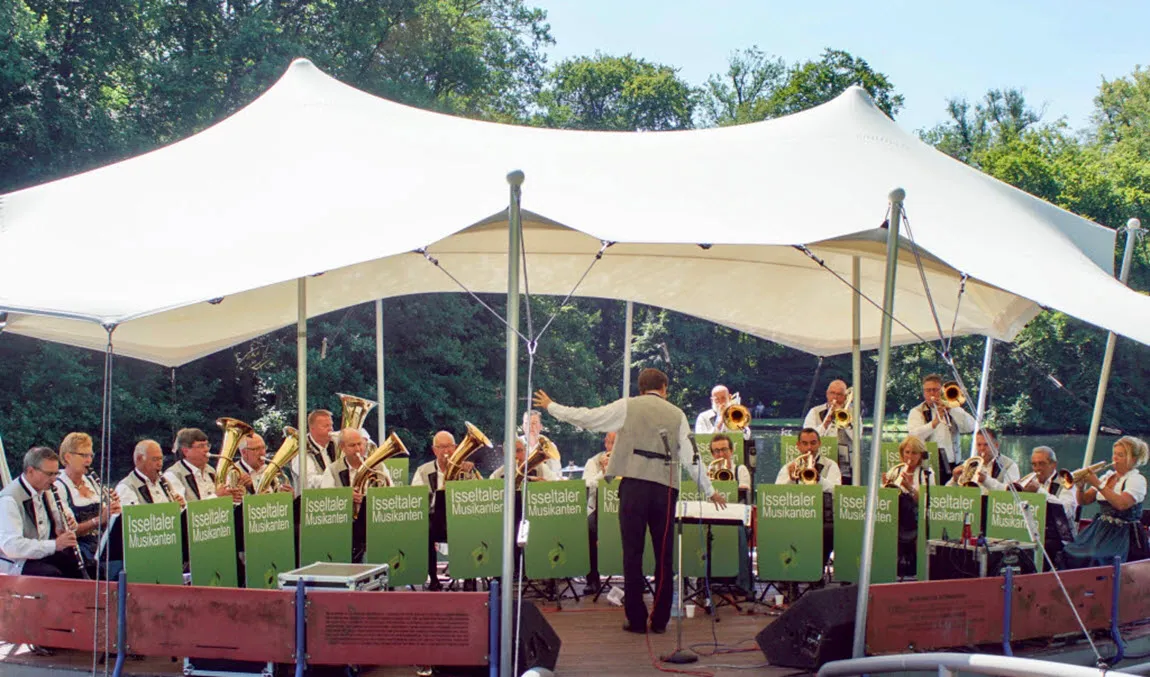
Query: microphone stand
680, 656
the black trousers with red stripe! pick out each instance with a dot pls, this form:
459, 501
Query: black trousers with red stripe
644, 507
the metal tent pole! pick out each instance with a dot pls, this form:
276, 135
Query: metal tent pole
627, 336
1133, 227
507, 584
379, 371
301, 376
896, 199
856, 372
983, 385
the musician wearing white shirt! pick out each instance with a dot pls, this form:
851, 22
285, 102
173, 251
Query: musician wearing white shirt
933, 421
1117, 530
711, 420
431, 475
828, 471
34, 540
343, 472
253, 462
81, 494
539, 472
822, 419
145, 484
1060, 528
594, 471
320, 452
534, 427
998, 471
191, 476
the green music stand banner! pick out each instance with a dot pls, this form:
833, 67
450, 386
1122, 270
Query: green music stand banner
948, 509
890, 458
724, 539
397, 526
153, 543
850, 514
398, 469
212, 542
790, 533
789, 448
557, 545
1004, 519
325, 525
475, 528
610, 540
269, 538
703, 443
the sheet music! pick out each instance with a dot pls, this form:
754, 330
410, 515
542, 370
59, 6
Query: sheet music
709, 513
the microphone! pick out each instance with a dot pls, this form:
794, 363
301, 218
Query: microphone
666, 446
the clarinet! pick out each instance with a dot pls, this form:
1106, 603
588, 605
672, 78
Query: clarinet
75, 548
167, 489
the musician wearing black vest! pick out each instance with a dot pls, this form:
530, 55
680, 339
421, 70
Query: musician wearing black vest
822, 419
81, 493
1061, 504
146, 484
653, 439
431, 475
321, 449
252, 462
998, 471
933, 421
34, 540
827, 471
192, 476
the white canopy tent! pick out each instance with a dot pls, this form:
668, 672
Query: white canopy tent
317, 177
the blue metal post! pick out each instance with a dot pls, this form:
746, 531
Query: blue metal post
1119, 645
493, 634
1007, 604
300, 629
121, 622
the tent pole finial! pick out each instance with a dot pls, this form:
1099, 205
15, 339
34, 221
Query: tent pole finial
516, 177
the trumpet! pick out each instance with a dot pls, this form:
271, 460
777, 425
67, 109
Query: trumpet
735, 416
971, 468
803, 470
842, 415
720, 470
1070, 479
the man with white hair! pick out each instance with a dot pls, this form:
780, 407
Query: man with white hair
145, 484
822, 419
711, 420
1061, 504
252, 450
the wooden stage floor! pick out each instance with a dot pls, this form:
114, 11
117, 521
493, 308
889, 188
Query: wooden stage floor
593, 644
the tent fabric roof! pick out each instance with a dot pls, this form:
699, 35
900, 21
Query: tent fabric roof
318, 177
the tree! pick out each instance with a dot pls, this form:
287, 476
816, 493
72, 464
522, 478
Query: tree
615, 93
815, 82
744, 93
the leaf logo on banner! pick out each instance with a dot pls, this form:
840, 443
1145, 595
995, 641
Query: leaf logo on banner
216, 578
701, 554
396, 564
789, 557
557, 555
480, 554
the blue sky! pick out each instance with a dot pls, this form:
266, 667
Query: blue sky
1056, 51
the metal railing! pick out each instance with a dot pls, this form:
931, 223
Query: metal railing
949, 665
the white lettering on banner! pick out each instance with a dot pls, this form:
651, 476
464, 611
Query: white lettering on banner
853, 508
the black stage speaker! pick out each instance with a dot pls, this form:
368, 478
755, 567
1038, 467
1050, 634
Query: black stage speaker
538, 642
816, 629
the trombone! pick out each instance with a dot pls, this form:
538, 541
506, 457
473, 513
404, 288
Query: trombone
735, 416
842, 416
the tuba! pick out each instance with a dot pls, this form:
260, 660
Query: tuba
803, 470
735, 415
545, 450
355, 410
471, 442
274, 474
234, 431
370, 474
719, 470
842, 417
971, 468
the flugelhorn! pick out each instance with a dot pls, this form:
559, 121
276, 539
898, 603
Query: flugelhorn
283, 457
1069, 479
545, 450
971, 468
471, 442
234, 431
842, 416
735, 415
719, 470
